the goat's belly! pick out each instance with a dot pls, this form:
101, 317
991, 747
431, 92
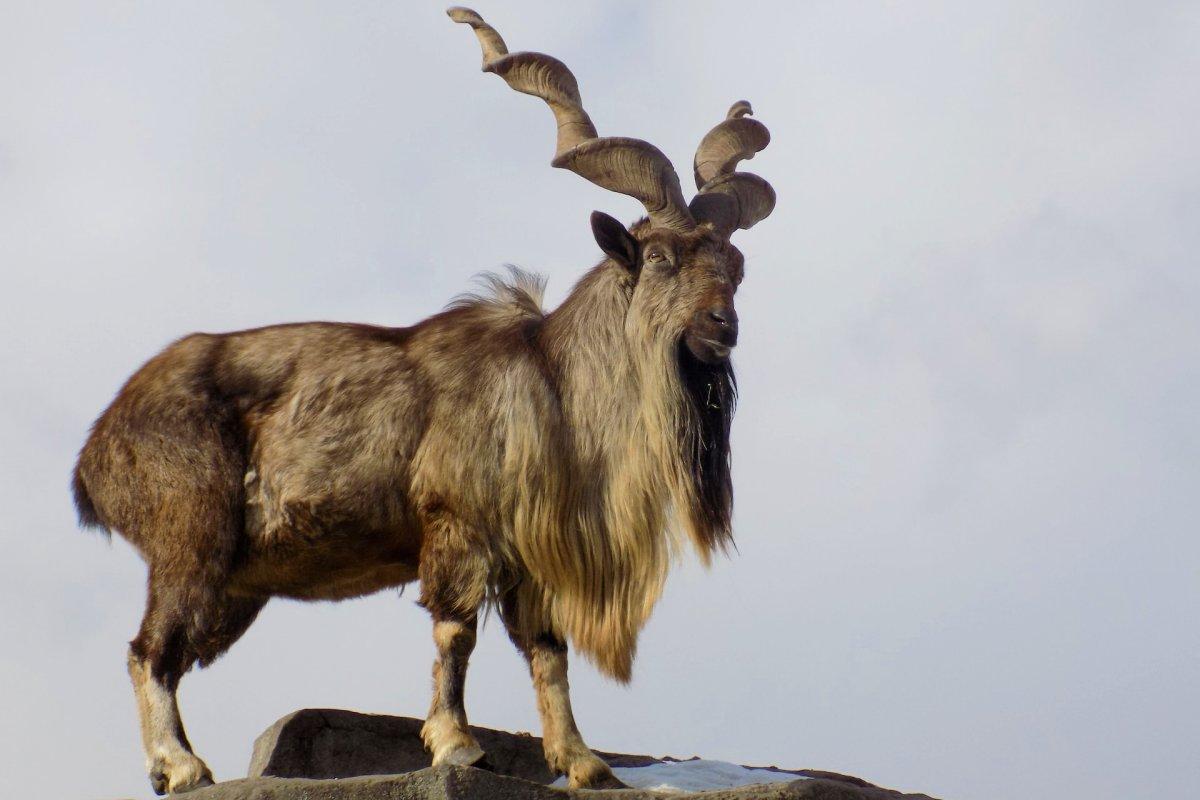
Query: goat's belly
339, 584
349, 540
331, 569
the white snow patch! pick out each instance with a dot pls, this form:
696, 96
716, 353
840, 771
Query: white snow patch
697, 775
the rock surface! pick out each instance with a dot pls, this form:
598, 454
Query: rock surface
467, 783
324, 754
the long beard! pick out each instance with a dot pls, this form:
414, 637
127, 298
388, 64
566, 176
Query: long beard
711, 392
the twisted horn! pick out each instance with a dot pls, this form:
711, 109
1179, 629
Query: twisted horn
628, 166
727, 199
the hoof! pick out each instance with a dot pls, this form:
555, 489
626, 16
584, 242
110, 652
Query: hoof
449, 742
608, 781
592, 773
468, 756
158, 782
191, 774
612, 782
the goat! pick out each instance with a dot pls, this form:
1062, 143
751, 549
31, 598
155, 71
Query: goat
544, 463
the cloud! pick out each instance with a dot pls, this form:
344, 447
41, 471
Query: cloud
966, 448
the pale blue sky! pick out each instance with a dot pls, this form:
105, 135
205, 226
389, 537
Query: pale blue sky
967, 458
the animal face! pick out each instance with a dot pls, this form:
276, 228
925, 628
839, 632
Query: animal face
686, 286
685, 283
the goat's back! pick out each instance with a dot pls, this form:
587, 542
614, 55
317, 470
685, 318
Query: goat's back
312, 446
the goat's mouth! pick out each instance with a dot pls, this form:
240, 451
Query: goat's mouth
709, 351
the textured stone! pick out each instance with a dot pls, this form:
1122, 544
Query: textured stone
331, 743
329, 754
468, 783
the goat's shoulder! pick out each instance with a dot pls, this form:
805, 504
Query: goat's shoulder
489, 328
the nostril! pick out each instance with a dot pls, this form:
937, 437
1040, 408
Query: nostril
724, 316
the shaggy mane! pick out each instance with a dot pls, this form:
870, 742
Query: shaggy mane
519, 290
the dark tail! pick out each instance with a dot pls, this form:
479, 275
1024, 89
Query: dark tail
88, 516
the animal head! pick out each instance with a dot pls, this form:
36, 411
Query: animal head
686, 271
684, 283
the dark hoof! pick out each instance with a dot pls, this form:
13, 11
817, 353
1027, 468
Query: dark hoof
592, 773
610, 781
484, 763
158, 780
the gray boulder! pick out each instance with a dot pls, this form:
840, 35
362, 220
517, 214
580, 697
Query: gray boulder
468, 783
326, 754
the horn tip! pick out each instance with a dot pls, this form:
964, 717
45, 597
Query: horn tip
463, 14
739, 109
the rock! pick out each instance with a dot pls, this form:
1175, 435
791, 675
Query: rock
331, 743
327, 754
468, 783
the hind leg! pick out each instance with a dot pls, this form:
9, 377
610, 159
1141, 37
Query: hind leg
165, 468
158, 658
183, 624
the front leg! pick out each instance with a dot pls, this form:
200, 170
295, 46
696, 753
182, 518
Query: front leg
531, 631
454, 572
566, 752
445, 731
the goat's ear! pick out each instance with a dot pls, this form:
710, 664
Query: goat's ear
616, 242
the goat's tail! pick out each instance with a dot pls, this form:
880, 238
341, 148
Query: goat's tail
88, 516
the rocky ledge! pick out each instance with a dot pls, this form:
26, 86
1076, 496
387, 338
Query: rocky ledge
324, 754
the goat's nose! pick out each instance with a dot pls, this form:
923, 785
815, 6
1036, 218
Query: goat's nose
725, 317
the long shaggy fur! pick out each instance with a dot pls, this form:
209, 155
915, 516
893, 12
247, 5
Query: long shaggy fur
88, 518
547, 463
711, 390
492, 451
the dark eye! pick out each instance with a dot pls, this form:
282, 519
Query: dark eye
655, 255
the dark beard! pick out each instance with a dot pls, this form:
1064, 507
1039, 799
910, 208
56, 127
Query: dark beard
711, 390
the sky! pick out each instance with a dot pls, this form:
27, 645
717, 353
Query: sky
967, 453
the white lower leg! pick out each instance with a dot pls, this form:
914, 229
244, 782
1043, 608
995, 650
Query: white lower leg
565, 749
169, 759
445, 731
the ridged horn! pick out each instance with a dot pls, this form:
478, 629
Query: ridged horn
628, 166
728, 199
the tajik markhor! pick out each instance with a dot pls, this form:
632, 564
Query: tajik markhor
545, 462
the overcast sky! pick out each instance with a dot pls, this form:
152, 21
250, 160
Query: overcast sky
967, 457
